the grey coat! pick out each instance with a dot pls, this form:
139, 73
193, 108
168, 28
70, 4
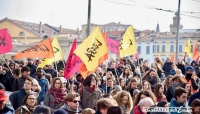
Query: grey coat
48, 101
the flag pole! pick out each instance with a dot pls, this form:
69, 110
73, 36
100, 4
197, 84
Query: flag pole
55, 65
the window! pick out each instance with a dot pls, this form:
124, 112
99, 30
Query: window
21, 34
191, 48
199, 47
163, 60
155, 48
171, 48
180, 48
147, 49
163, 48
139, 49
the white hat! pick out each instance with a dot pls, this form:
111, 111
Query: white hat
35, 82
63, 80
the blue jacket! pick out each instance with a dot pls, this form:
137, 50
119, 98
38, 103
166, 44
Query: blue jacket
17, 97
7, 110
52, 72
32, 70
172, 72
43, 82
167, 67
174, 103
193, 97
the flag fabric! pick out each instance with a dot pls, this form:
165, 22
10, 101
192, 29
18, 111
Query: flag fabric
57, 54
83, 70
195, 51
41, 50
92, 49
73, 63
197, 59
5, 41
128, 43
173, 58
113, 45
188, 48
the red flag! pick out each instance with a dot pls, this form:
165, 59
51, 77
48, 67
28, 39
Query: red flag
173, 58
73, 62
195, 51
197, 59
5, 41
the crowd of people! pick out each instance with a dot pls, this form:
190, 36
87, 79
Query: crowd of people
121, 86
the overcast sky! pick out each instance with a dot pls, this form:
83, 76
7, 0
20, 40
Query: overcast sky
73, 13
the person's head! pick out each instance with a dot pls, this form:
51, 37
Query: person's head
176, 79
163, 103
195, 106
51, 66
179, 72
73, 100
146, 63
3, 99
145, 103
48, 77
173, 66
42, 109
168, 60
30, 61
1, 68
181, 95
146, 85
88, 111
39, 72
159, 89
122, 82
57, 83
187, 87
152, 73
123, 98
28, 83
133, 83
104, 103
61, 72
110, 82
126, 71
25, 71
179, 61
30, 100
143, 94
12, 65
90, 81
79, 78
36, 87
21, 63
16, 73
168, 80
112, 65
64, 81
114, 110
107, 96
73, 88
189, 71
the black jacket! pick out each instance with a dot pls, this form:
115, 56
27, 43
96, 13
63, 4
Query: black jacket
167, 67
33, 70
5, 80
18, 83
181, 67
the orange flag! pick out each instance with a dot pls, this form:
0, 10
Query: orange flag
173, 58
83, 70
195, 51
41, 50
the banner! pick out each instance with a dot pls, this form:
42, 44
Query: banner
57, 54
5, 41
128, 43
73, 63
195, 51
92, 49
41, 50
113, 45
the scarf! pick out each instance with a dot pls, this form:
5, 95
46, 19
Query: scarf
58, 94
92, 89
174, 86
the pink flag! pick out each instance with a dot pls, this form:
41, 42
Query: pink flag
113, 45
73, 62
5, 41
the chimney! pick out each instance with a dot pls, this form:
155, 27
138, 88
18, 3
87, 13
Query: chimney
40, 27
60, 30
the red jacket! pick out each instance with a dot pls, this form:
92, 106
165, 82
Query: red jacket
137, 110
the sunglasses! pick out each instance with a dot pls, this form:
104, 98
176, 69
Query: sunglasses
75, 101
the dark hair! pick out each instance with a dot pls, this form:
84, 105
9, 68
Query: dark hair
156, 89
42, 109
195, 103
29, 79
25, 68
26, 97
48, 77
61, 69
183, 85
114, 110
54, 81
106, 96
179, 91
162, 103
88, 80
17, 72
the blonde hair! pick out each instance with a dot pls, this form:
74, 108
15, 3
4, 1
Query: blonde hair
88, 111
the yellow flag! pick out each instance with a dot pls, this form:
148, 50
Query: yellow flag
128, 43
92, 49
57, 54
188, 49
